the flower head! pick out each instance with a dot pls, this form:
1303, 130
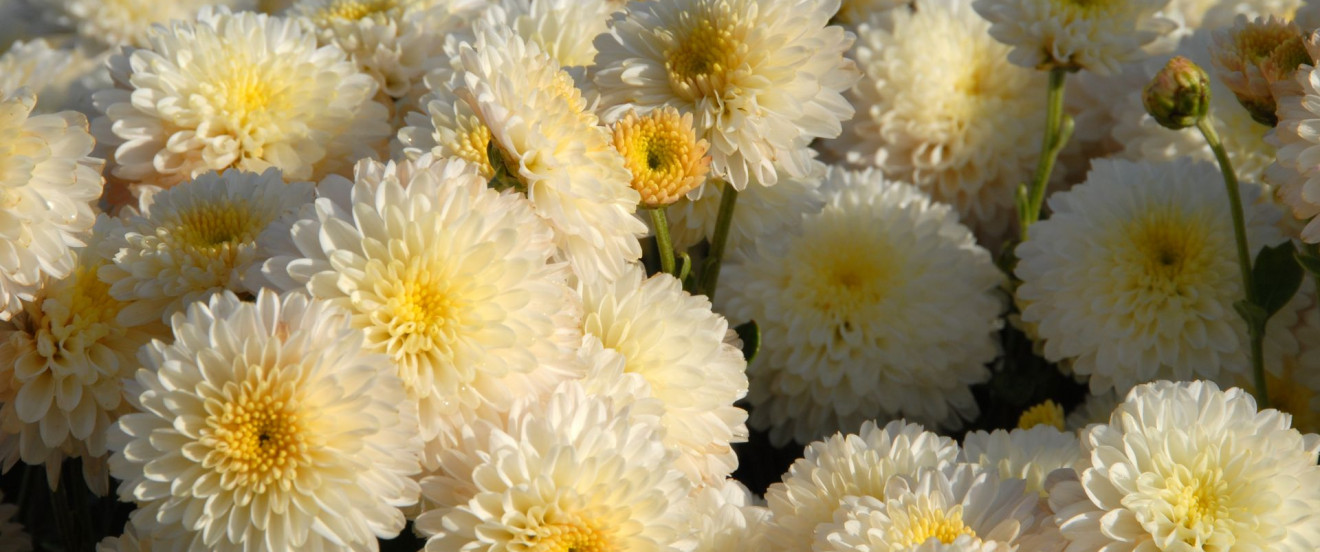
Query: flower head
126, 22
1096, 35
1253, 57
663, 154
267, 425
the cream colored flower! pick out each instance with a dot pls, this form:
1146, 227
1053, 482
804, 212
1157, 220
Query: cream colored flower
64, 76
761, 78
447, 277
1133, 276
688, 355
1096, 35
48, 185
1027, 454
564, 29
126, 22
240, 90
63, 359
957, 508
900, 322
861, 464
1296, 171
573, 473
552, 149
196, 239
940, 106
725, 517
1185, 466
446, 126
267, 426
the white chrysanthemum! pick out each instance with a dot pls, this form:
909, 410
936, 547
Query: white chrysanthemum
761, 210
1296, 171
847, 465
1217, 14
1134, 275
940, 106
957, 508
564, 29
196, 239
63, 77
761, 78
554, 150
1142, 138
725, 518
573, 473
688, 355
445, 125
900, 322
126, 22
1185, 466
239, 90
394, 41
48, 185
1027, 454
267, 426
449, 278
1096, 35
12, 536
62, 362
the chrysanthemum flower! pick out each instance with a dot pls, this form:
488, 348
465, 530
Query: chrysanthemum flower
126, 22
761, 78
446, 126
564, 29
761, 210
554, 149
64, 77
1097, 35
447, 277
1185, 466
688, 356
663, 154
725, 517
12, 536
1134, 275
847, 465
196, 239
940, 106
238, 90
897, 324
48, 185
1027, 454
1047, 413
267, 426
957, 508
62, 362
1296, 171
573, 473
1253, 56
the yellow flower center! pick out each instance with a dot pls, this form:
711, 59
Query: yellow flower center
924, 522
840, 280
352, 10
258, 436
1046, 413
1172, 253
570, 537
707, 51
1197, 500
247, 96
418, 324
473, 146
218, 226
663, 154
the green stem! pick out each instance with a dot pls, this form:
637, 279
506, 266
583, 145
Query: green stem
1256, 331
711, 276
1058, 128
661, 224
64, 517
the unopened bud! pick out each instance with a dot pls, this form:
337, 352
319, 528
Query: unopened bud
1179, 95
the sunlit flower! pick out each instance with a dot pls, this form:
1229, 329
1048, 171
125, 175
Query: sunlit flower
267, 426
725, 517
1185, 466
126, 22
1096, 35
564, 29
897, 323
761, 78
64, 77
663, 154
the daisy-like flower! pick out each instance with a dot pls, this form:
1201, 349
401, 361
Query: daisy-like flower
564, 29
447, 277
126, 22
762, 78
1254, 56
1027, 454
1186, 466
48, 185
196, 239
958, 508
1095, 35
663, 154
760, 210
898, 324
725, 517
63, 77
446, 126
1296, 171
940, 106
12, 536
62, 362
817, 484
240, 90
688, 355
267, 426
552, 149
1133, 276
573, 473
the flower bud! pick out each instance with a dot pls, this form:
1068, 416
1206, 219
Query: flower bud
1179, 95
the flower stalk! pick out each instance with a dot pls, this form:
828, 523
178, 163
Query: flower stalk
662, 241
1058, 129
710, 277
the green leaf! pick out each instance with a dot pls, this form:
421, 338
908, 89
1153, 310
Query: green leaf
750, 334
1310, 262
1277, 277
